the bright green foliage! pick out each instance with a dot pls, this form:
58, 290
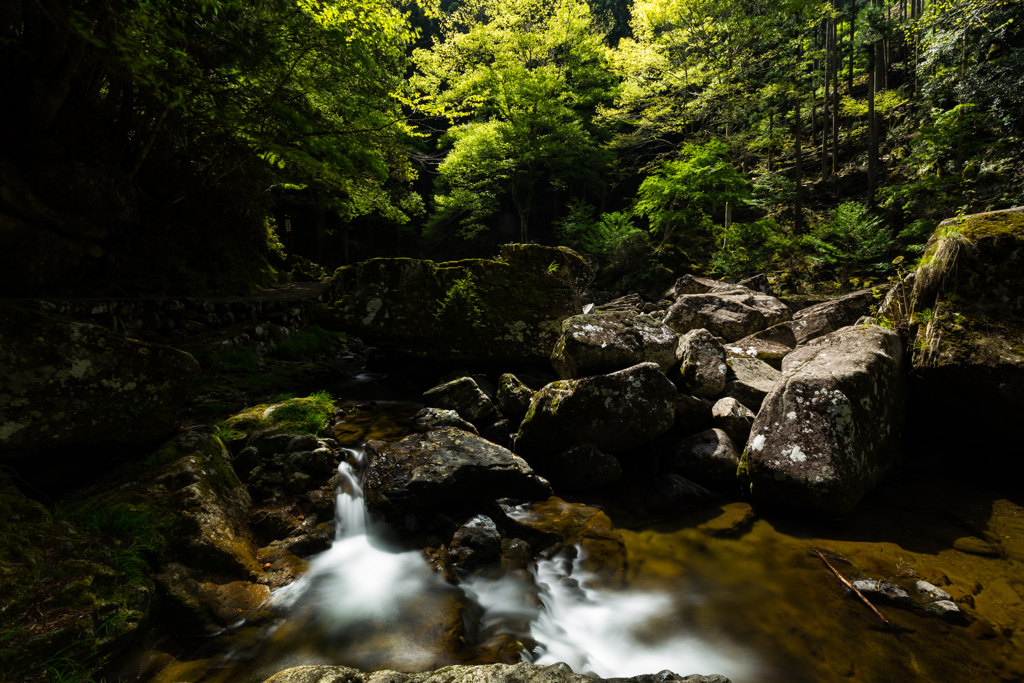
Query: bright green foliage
606, 235
853, 241
676, 196
519, 79
757, 247
462, 300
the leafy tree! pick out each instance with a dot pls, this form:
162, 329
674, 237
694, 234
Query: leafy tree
519, 80
679, 192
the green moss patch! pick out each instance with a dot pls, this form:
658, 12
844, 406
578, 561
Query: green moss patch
309, 415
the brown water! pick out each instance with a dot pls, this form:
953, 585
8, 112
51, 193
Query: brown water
751, 584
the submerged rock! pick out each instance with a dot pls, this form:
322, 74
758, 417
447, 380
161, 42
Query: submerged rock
470, 310
728, 313
445, 468
67, 383
615, 412
490, 673
830, 429
604, 342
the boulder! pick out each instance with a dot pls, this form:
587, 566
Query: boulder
471, 310
710, 456
599, 343
630, 302
691, 284
758, 283
750, 381
728, 313
830, 429
513, 397
692, 413
430, 419
615, 412
444, 468
582, 468
968, 320
465, 398
702, 368
814, 321
66, 383
489, 673
733, 418
476, 542
768, 346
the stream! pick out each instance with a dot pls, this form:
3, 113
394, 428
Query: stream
720, 589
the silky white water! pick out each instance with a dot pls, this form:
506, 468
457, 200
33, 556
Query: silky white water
382, 607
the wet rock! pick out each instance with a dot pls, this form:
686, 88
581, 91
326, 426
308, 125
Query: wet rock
884, 589
515, 554
702, 368
735, 520
818, 320
471, 310
64, 383
931, 592
692, 413
444, 468
490, 673
728, 313
435, 418
830, 429
466, 398
617, 411
194, 604
733, 418
973, 545
709, 456
513, 397
674, 493
604, 342
476, 542
947, 609
750, 381
582, 468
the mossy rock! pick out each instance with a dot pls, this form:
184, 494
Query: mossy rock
475, 309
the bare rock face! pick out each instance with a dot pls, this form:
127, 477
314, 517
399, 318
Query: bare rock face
702, 368
750, 381
820, 319
691, 284
830, 429
489, 673
466, 398
448, 466
615, 412
509, 309
599, 343
728, 313
64, 383
733, 418
768, 346
708, 457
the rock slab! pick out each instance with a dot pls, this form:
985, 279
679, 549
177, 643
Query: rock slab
490, 673
599, 343
830, 429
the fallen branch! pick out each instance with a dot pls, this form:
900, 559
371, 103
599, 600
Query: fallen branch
850, 586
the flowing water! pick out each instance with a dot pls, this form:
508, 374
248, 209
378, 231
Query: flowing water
716, 590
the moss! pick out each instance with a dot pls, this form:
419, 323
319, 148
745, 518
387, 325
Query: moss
307, 415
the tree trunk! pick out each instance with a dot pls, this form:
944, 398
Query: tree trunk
835, 96
797, 204
853, 21
825, 166
872, 129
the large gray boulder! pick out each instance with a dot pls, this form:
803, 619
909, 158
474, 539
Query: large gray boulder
768, 346
727, 313
750, 380
513, 397
702, 367
466, 398
830, 429
509, 309
489, 673
68, 383
615, 412
444, 468
814, 321
598, 343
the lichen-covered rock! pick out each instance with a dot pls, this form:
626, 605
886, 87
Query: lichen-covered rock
750, 380
814, 321
702, 367
728, 313
768, 346
599, 343
445, 468
830, 429
582, 468
709, 456
489, 673
691, 284
470, 310
615, 412
465, 398
733, 418
513, 397
430, 419
64, 383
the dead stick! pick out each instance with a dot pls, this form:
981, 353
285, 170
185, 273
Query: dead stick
850, 586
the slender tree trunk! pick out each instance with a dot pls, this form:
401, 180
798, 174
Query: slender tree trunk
853, 20
797, 205
825, 165
771, 137
835, 96
320, 219
872, 131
